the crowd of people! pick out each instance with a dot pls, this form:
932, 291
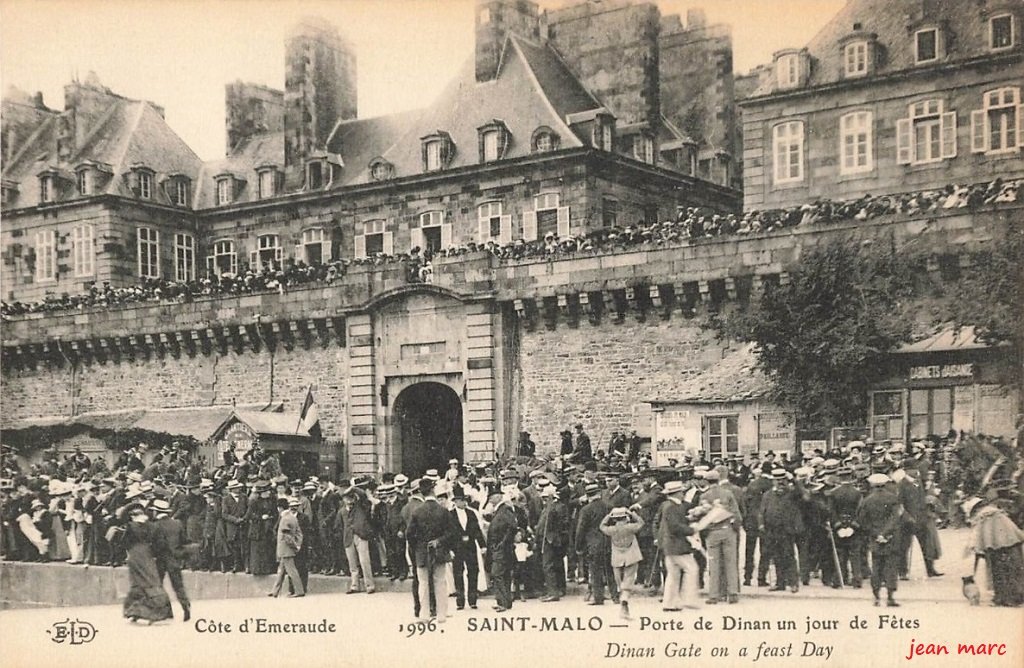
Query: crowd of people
519, 528
689, 225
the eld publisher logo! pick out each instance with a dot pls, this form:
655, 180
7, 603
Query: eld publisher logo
72, 632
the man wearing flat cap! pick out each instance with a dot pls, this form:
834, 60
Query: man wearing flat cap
879, 518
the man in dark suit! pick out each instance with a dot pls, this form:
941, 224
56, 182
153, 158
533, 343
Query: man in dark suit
674, 531
501, 548
593, 546
915, 523
879, 517
781, 524
170, 552
844, 501
752, 498
232, 513
615, 495
552, 538
464, 557
431, 534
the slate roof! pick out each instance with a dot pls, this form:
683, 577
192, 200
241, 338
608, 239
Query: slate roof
123, 133
894, 22
533, 88
735, 378
949, 339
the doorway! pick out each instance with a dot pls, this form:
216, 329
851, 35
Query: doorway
428, 421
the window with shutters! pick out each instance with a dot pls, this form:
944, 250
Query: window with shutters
430, 235
927, 135
494, 139
787, 70
146, 185
224, 259
926, 45
225, 190
494, 226
1000, 32
547, 214
184, 257
267, 183
997, 127
83, 250
314, 245
268, 252
438, 151
47, 189
855, 59
855, 143
788, 148
149, 252
722, 435
46, 255
373, 239
609, 212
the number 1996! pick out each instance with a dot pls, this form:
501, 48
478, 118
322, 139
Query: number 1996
417, 628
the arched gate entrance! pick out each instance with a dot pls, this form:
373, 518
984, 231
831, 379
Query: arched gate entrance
427, 419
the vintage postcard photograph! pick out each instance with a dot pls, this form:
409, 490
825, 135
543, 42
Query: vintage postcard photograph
516, 333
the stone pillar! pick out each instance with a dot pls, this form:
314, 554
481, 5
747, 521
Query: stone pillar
362, 396
481, 387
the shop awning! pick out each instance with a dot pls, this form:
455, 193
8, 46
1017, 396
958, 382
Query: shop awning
950, 339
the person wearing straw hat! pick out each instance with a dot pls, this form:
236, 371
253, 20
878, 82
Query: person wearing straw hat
780, 523
170, 552
621, 526
996, 539
289, 542
431, 533
232, 514
879, 517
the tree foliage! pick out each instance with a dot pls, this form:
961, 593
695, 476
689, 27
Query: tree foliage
823, 338
990, 294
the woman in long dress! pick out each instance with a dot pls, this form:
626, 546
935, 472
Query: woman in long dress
146, 596
261, 518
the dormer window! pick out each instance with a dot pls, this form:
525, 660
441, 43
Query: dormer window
438, 150
47, 188
544, 139
146, 185
494, 139
86, 181
315, 175
1000, 32
178, 189
787, 70
381, 170
8, 192
604, 133
643, 148
225, 189
140, 181
267, 183
926, 45
855, 59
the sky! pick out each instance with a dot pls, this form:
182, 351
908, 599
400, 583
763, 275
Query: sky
181, 53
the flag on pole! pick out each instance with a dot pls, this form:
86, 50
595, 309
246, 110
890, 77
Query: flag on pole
309, 415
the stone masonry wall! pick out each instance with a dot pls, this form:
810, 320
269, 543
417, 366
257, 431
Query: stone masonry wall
595, 374
173, 383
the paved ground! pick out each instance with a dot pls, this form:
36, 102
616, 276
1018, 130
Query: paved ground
373, 631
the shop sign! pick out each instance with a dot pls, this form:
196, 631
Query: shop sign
239, 435
941, 371
775, 432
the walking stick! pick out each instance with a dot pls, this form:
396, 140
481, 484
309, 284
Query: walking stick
835, 554
654, 565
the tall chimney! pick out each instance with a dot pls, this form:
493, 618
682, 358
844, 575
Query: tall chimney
495, 20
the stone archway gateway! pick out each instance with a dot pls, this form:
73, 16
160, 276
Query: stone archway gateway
427, 420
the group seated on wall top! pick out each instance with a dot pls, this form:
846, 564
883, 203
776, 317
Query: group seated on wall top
691, 224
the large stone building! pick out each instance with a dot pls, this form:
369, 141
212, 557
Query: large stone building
565, 122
